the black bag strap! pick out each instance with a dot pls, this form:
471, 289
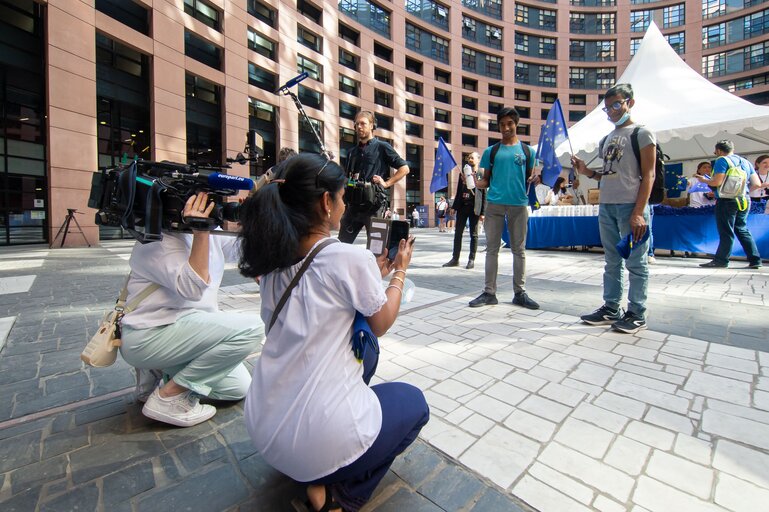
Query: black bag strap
636, 146
526, 152
298, 276
492, 156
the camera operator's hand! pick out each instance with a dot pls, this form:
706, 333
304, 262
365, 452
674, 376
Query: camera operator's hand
197, 206
379, 181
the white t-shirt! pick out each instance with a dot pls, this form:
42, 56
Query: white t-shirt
308, 410
181, 289
621, 186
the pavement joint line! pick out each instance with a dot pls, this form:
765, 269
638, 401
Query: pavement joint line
64, 408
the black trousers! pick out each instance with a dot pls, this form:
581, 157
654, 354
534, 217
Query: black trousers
353, 221
459, 230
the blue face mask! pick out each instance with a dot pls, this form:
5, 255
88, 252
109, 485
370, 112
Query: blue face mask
623, 119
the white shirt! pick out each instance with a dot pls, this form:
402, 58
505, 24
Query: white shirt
181, 290
442, 205
698, 199
308, 410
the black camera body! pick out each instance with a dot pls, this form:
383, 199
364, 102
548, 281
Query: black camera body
364, 196
147, 198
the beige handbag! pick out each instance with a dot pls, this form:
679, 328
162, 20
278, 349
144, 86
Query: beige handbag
101, 350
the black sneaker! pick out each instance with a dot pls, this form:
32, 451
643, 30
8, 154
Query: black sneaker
470, 264
521, 299
714, 264
754, 266
484, 299
629, 324
602, 316
451, 263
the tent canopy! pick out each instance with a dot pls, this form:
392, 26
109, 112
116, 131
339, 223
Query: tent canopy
687, 113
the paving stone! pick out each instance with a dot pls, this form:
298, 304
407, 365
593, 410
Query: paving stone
501, 455
84, 497
101, 459
721, 388
451, 489
583, 468
405, 500
506, 393
627, 455
561, 362
23, 502
543, 497
447, 437
416, 464
19, 451
658, 497
79, 379
561, 482
693, 449
648, 395
740, 496
38, 473
195, 492
650, 435
743, 462
669, 420
100, 411
237, 439
494, 501
530, 425
680, 473
200, 452
605, 504
490, 407
545, 408
584, 437
452, 389
477, 425
736, 428
562, 394
620, 405
738, 410
124, 485
600, 417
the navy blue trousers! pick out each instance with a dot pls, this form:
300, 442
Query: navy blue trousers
404, 413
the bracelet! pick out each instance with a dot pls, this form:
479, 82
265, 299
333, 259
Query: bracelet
399, 270
394, 286
399, 279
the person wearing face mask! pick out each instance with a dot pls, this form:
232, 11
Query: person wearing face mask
626, 185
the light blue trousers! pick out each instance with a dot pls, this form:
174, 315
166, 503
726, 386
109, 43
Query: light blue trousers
202, 351
614, 223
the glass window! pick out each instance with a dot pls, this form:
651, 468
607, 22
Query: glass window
547, 47
577, 99
262, 78
605, 50
576, 50
202, 51
308, 142
383, 122
383, 75
383, 98
442, 96
522, 95
640, 20
310, 98
442, 76
309, 39
468, 59
521, 14
577, 78
469, 26
469, 140
443, 134
413, 37
347, 110
348, 59
605, 77
522, 73
493, 66
547, 76
413, 108
521, 43
439, 48
413, 65
413, 129
312, 68
127, 12
496, 90
714, 65
413, 86
310, 10
676, 41
577, 23
442, 116
469, 103
634, 44
261, 45
673, 16
383, 52
756, 24
348, 85
349, 34
495, 107
469, 84
548, 97
204, 12
547, 20
605, 23
714, 35
713, 8
261, 11
469, 121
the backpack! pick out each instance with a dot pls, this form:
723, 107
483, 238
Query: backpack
733, 186
658, 187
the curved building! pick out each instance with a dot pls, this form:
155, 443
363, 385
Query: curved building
91, 83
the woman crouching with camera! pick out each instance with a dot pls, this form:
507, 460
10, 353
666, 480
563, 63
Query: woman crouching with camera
178, 327
309, 410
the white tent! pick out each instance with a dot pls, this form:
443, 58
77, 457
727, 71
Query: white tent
685, 111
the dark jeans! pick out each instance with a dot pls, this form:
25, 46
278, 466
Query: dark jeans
353, 222
730, 221
404, 413
459, 230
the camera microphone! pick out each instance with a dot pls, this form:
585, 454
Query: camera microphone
293, 81
217, 180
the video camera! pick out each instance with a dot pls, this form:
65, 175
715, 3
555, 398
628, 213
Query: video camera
152, 195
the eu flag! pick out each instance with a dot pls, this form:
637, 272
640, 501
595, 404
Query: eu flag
444, 163
533, 201
552, 135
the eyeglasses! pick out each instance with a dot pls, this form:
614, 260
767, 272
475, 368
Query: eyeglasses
317, 176
615, 106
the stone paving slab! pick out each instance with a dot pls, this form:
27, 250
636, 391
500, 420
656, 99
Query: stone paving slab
530, 409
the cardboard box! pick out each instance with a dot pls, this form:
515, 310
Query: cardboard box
593, 196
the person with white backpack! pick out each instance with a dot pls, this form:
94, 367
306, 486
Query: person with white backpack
733, 177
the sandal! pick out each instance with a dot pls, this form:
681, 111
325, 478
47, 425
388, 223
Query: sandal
330, 505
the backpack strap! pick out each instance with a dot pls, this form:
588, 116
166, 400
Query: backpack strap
295, 280
529, 164
492, 156
636, 146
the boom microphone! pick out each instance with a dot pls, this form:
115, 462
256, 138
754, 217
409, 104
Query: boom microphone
293, 81
217, 180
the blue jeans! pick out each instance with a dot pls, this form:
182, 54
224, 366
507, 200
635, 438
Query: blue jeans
614, 223
730, 221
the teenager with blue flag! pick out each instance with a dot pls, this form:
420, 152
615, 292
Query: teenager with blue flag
508, 167
626, 185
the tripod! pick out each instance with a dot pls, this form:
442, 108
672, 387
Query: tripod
65, 228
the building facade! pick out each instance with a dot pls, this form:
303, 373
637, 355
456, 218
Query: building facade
90, 83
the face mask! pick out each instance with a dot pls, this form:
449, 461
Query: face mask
622, 119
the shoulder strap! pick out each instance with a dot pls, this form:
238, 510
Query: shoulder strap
120, 305
492, 156
636, 147
296, 278
527, 154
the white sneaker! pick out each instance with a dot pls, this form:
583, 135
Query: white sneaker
652, 260
182, 410
146, 382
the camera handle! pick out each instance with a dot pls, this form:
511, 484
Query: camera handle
323, 151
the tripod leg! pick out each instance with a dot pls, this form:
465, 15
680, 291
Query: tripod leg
61, 228
66, 229
81, 231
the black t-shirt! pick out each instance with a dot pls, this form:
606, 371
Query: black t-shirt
376, 157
